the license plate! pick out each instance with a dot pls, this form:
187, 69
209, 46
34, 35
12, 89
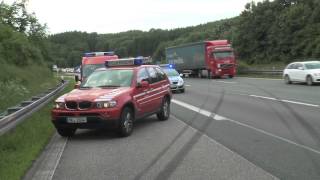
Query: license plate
173, 86
76, 119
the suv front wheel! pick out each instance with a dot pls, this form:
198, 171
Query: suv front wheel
126, 122
164, 113
66, 132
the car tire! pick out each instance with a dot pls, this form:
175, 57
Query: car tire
164, 113
230, 76
287, 79
66, 132
125, 127
309, 80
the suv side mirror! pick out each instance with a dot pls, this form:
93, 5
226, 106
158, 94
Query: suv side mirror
181, 75
77, 86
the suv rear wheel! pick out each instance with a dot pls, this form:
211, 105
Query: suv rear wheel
126, 122
309, 80
164, 113
66, 132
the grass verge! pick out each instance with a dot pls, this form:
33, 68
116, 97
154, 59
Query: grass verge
21, 146
20, 83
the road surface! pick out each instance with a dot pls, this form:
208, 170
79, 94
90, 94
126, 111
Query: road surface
237, 128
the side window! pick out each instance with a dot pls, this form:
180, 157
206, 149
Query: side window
299, 65
153, 75
142, 75
291, 66
161, 75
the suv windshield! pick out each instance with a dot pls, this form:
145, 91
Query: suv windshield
312, 65
87, 69
171, 72
109, 78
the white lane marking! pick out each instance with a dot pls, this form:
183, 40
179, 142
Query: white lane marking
301, 103
188, 85
58, 160
229, 150
263, 97
193, 108
227, 82
284, 100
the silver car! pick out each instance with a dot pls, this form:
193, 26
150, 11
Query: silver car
176, 81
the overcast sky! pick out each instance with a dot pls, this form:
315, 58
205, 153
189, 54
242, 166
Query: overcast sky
105, 16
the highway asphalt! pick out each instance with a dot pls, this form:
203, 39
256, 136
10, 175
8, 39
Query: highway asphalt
237, 128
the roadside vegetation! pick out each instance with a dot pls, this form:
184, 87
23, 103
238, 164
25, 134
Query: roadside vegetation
18, 84
21, 146
24, 57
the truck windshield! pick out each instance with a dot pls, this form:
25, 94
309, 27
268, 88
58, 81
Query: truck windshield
109, 78
87, 69
171, 72
222, 54
312, 65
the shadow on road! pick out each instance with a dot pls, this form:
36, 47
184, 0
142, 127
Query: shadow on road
105, 134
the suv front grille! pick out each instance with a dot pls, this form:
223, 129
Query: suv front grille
84, 105
71, 105
175, 82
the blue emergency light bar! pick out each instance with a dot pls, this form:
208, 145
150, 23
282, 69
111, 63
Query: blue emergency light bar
93, 54
171, 66
129, 61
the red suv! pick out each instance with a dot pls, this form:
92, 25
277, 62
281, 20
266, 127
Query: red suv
114, 96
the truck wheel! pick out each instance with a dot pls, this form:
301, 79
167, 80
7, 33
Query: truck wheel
164, 113
126, 122
230, 76
66, 132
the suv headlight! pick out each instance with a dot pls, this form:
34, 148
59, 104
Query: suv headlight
106, 104
59, 105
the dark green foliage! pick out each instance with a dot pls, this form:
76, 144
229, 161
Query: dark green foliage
266, 32
134, 43
281, 30
22, 37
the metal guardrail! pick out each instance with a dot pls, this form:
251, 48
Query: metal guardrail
17, 114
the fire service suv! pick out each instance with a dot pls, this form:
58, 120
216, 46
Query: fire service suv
203, 59
114, 96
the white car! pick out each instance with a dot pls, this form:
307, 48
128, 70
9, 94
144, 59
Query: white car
308, 72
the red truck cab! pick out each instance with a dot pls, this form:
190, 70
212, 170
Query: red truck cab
220, 58
114, 96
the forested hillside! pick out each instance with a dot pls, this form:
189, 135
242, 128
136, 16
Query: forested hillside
24, 55
267, 32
